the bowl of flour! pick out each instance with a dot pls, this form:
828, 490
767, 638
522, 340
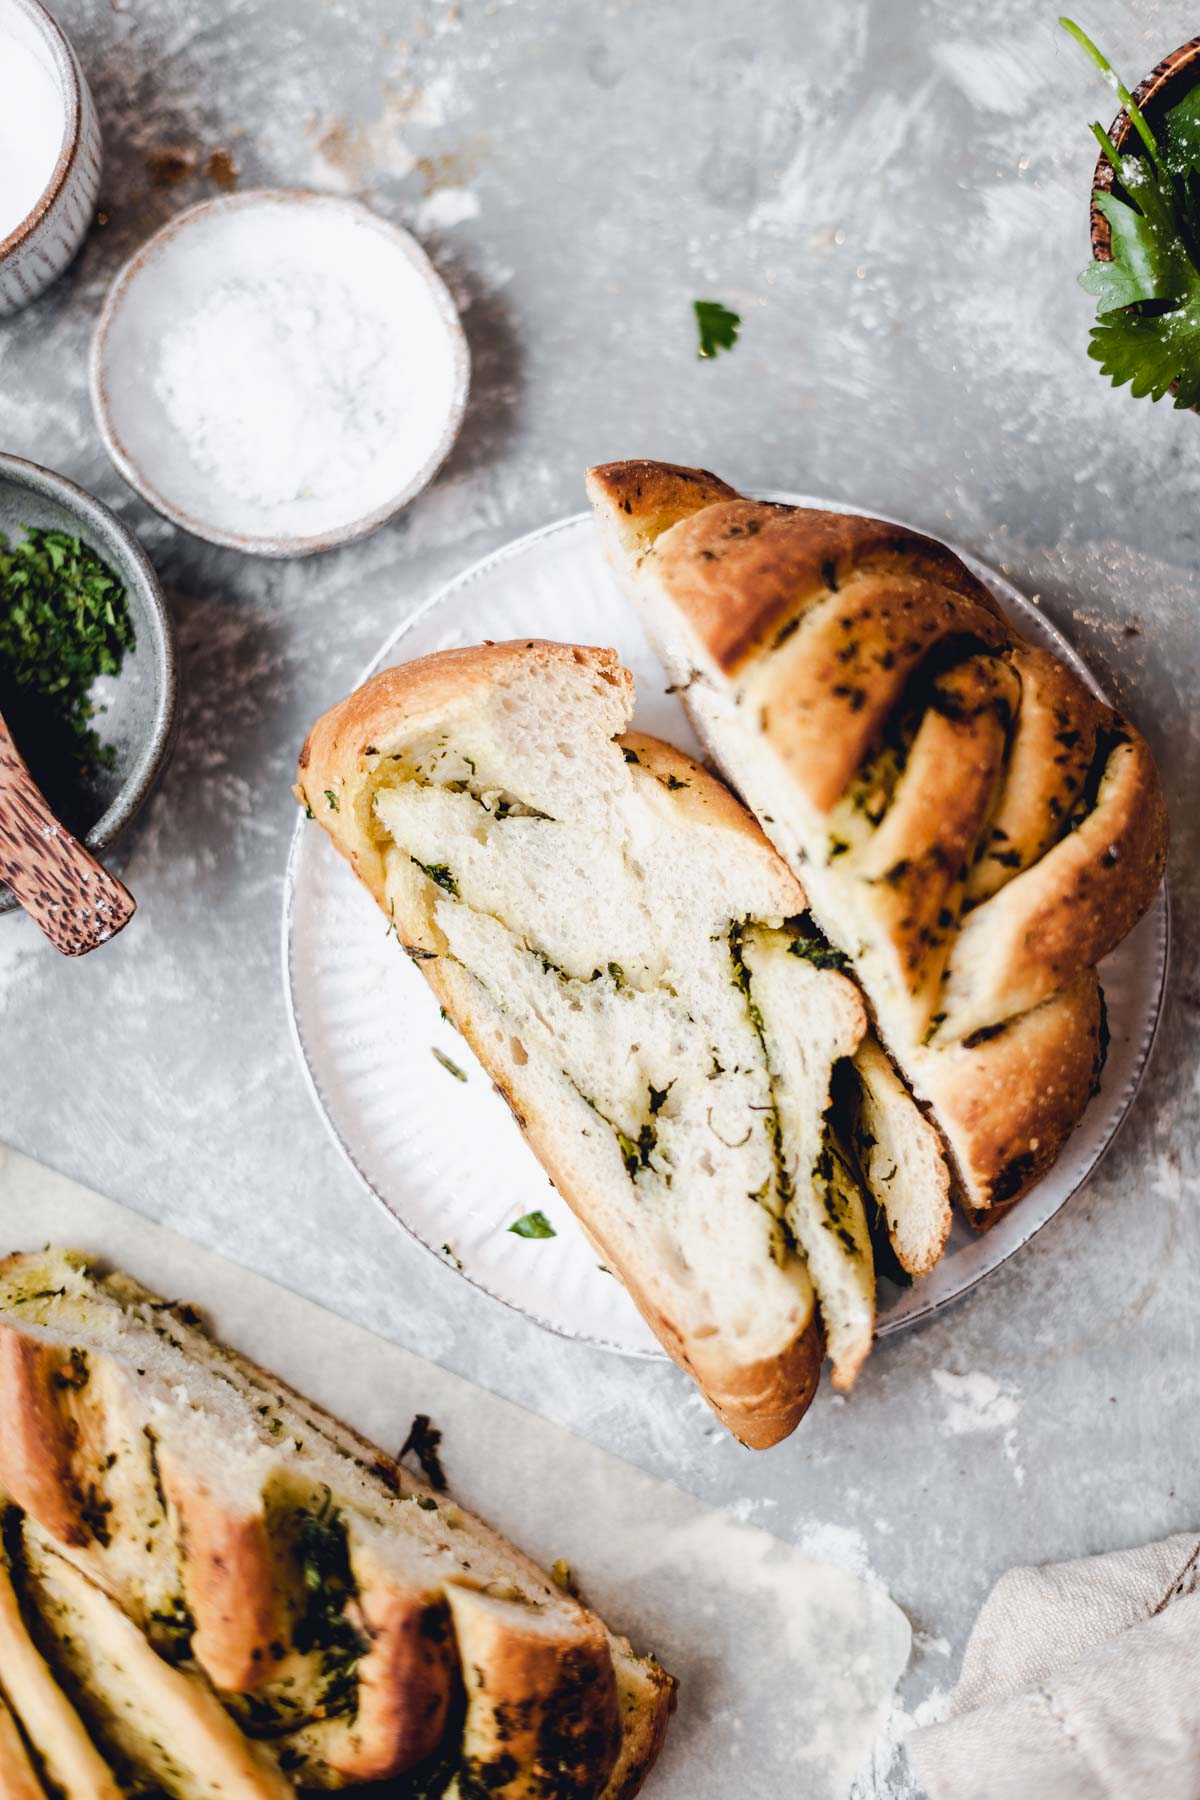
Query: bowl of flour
279, 372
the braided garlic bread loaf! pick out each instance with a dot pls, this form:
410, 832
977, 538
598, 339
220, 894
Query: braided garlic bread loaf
973, 827
209, 1586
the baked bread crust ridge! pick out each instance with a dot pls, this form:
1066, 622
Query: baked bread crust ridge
801, 640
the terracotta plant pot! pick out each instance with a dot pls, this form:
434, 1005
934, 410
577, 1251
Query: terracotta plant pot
1162, 89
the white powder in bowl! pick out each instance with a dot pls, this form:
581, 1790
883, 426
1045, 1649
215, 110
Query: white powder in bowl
32, 125
289, 394
276, 369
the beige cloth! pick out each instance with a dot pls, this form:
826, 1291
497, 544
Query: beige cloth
1081, 1681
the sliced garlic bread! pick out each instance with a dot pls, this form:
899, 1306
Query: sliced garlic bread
975, 829
576, 895
156, 1722
67, 1759
313, 1577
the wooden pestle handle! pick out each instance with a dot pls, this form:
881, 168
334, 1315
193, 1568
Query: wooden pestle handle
77, 903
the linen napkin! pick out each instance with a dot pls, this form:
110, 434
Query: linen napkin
1081, 1681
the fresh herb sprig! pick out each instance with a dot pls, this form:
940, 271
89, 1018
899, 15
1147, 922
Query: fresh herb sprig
64, 620
1147, 330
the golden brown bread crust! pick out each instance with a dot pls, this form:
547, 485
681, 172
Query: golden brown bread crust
227, 1580
915, 867
1074, 905
647, 1696
36, 1440
760, 1403
818, 626
1048, 763
542, 1714
17, 1778
72, 1764
647, 1693
410, 1677
406, 1683
1010, 1101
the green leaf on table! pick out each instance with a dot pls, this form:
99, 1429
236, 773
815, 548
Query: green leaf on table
533, 1225
718, 327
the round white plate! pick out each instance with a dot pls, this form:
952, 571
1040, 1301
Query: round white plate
445, 1157
201, 365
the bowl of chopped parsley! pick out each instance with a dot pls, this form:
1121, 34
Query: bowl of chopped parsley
87, 654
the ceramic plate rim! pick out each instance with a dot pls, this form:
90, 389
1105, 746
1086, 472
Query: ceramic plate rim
1159, 909
278, 546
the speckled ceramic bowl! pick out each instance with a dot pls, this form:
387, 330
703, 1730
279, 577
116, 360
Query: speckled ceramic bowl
38, 249
310, 243
139, 720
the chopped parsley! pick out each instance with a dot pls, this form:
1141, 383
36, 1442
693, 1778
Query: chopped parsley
533, 1225
333, 800
717, 327
440, 875
451, 1068
818, 953
322, 1551
1147, 329
64, 621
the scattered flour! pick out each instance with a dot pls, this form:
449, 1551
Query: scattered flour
887, 1776
445, 207
976, 1402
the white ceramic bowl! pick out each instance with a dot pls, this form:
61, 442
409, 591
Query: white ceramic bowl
199, 330
38, 248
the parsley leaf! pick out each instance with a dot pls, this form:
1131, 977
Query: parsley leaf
817, 952
1147, 330
718, 327
533, 1225
1152, 353
439, 874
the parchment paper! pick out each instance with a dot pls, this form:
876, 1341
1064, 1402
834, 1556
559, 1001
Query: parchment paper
786, 1664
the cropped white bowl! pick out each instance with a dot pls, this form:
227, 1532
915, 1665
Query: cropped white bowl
37, 251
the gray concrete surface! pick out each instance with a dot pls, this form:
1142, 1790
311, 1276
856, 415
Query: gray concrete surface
894, 194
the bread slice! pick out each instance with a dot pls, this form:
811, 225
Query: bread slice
576, 896
902, 1160
974, 829
18, 1777
51, 1733
352, 1560
154, 1720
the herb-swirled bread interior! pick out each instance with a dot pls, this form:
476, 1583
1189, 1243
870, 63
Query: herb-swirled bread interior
210, 1587
627, 955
